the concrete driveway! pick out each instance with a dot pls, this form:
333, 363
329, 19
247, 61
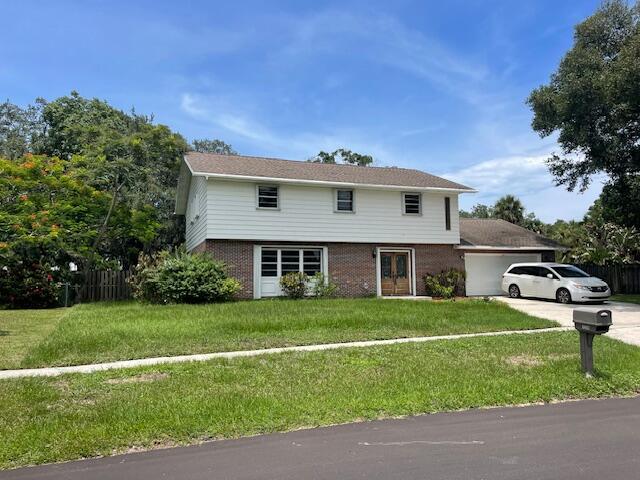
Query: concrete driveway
626, 316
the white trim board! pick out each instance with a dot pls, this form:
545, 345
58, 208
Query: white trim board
258, 179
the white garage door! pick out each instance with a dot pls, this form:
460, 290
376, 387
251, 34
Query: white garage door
484, 270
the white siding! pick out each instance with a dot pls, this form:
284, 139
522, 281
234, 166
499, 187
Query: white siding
196, 215
307, 214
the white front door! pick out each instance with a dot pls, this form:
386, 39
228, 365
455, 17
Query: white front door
274, 262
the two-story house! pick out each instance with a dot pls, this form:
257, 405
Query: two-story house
372, 230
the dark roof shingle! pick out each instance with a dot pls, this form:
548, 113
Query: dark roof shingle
208, 163
490, 232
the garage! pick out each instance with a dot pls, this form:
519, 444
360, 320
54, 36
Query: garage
490, 245
484, 270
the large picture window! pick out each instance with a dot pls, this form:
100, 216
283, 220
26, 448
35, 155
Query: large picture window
276, 262
268, 197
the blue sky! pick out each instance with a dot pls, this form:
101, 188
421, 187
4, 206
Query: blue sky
438, 86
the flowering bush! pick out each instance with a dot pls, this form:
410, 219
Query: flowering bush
27, 286
294, 284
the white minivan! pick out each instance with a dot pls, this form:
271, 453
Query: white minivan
564, 283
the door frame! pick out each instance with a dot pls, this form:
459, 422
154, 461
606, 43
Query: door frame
412, 267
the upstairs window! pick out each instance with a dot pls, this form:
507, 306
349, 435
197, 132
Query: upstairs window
412, 203
344, 200
447, 213
268, 197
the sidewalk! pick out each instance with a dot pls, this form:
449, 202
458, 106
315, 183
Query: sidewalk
98, 367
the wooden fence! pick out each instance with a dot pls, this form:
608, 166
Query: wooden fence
620, 278
106, 285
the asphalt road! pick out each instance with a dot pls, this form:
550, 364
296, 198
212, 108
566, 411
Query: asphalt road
585, 440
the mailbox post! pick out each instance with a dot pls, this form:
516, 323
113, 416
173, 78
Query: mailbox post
590, 323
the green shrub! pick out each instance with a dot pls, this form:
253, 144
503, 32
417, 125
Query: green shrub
181, 277
445, 284
323, 287
294, 284
27, 285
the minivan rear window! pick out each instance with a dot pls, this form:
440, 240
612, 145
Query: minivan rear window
570, 272
516, 271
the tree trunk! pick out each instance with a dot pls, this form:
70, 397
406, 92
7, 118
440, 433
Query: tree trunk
101, 232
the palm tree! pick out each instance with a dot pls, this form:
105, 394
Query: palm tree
509, 208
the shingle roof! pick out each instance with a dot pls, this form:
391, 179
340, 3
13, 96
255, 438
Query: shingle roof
490, 232
239, 165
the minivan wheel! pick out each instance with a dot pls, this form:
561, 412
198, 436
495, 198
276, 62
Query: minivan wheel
563, 296
514, 291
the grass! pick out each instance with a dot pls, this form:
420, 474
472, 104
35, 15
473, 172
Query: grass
74, 416
630, 298
20, 330
118, 331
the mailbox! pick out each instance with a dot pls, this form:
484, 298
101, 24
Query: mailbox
590, 323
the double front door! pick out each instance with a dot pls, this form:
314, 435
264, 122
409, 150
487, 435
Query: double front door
394, 273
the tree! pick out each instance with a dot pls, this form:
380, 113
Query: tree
48, 218
125, 155
22, 130
593, 100
509, 208
346, 156
213, 146
533, 223
479, 210
620, 202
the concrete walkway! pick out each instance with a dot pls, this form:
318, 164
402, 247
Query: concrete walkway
626, 316
98, 367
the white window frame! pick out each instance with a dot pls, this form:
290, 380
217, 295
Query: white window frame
335, 200
257, 262
277, 187
404, 204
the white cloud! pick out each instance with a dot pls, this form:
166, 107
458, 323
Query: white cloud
528, 178
382, 39
216, 112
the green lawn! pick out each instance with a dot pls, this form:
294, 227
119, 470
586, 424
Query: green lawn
20, 330
626, 298
118, 331
52, 419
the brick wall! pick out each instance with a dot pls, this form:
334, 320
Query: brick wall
352, 266
238, 256
432, 259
